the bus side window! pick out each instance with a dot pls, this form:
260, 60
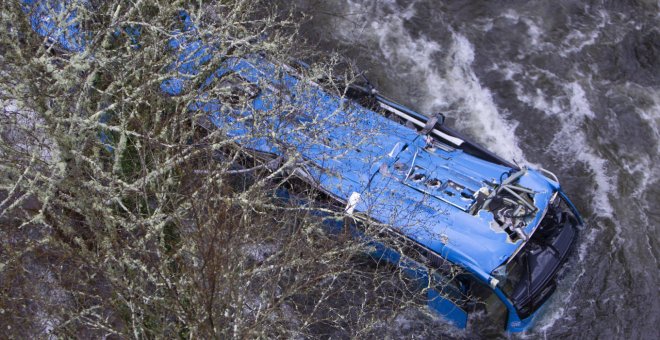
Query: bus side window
482, 298
447, 300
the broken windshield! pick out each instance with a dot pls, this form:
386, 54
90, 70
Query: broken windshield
528, 279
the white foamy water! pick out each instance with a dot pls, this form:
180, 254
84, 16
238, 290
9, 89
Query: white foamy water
479, 114
445, 81
651, 115
571, 141
574, 111
535, 34
576, 40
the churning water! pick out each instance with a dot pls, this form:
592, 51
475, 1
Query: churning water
571, 85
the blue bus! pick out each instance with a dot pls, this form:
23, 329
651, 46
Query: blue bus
451, 202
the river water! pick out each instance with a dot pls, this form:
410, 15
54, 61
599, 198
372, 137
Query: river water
571, 85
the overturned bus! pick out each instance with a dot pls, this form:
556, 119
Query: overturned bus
455, 204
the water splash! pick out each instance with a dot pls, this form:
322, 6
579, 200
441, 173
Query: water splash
447, 82
574, 111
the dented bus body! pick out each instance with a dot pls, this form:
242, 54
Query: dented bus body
509, 228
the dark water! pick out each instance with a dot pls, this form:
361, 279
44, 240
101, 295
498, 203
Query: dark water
573, 86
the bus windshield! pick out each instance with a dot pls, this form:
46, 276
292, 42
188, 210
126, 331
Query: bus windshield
529, 278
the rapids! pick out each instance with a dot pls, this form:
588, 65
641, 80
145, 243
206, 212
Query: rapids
573, 86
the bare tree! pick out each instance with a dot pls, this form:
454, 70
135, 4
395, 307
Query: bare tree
126, 212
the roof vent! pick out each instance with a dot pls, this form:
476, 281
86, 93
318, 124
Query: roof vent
433, 183
418, 177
